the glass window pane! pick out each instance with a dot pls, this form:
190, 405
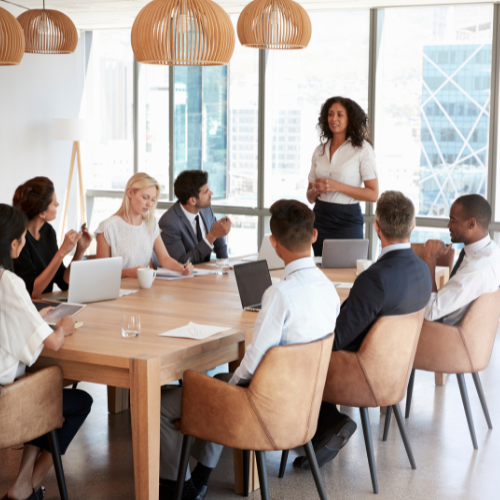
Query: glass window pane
108, 99
242, 239
433, 94
298, 82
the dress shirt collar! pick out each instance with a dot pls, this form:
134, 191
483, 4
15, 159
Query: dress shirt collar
391, 248
478, 245
298, 265
190, 217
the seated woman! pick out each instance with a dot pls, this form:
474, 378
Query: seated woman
40, 264
23, 334
133, 232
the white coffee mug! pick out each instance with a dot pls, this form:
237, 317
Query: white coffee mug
362, 265
146, 277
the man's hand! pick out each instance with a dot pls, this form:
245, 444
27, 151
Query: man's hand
221, 228
434, 249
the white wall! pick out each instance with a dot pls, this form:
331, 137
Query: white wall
41, 88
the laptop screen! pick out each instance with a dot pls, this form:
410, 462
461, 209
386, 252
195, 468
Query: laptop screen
253, 280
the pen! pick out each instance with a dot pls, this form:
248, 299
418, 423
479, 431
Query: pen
187, 262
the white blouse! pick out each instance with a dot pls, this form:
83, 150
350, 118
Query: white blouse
134, 243
349, 165
22, 329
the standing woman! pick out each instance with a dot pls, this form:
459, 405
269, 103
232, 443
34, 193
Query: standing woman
343, 172
40, 264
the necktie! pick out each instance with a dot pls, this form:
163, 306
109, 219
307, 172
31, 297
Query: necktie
457, 265
199, 236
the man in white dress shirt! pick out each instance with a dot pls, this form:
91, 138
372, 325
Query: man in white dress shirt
477, 269
302, 307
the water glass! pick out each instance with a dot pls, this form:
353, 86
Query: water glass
222, 266
131, 325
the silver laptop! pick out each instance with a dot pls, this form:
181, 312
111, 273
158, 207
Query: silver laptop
343, 253
93, 281
253, 279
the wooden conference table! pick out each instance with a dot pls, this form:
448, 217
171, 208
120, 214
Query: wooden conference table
98, 353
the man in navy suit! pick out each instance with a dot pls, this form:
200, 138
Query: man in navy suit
398, 283
189, 228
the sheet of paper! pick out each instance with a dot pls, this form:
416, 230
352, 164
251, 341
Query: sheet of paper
343, 285
194, 331
123, 292
204, 272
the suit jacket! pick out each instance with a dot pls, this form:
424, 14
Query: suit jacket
398, 283
180, 238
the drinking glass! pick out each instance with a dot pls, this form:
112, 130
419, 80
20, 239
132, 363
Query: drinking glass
131, 325
222, 266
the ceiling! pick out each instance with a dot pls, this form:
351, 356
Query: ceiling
113, 14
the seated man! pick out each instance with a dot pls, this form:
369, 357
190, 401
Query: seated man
398, 283
477, 269
302, 307
189, 228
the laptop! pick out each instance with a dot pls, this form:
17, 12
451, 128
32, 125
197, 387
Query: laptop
343, 253
267, 253
253, 279
93, 280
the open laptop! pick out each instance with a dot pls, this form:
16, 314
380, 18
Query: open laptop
268, 254
93, 281
253, 279
343, 253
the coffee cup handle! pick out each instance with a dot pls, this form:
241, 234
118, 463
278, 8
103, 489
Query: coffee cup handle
154, 274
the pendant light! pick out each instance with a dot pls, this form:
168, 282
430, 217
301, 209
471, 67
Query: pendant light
274, 24
11, 39
48, 31
183, 33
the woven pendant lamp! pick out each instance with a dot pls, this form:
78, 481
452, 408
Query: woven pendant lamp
11, 39
48, 31
274, 24
183, 33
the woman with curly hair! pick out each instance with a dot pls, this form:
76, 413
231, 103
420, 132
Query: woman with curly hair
343, 172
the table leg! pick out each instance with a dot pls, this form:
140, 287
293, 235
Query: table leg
118, 399
145, 401
233, 365
253, 479
440, 378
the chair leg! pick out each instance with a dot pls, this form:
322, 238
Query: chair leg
365, 420
404, 435
388, 415
480, 393
284, 458
468, 413
409, 393
187, 443
56, 457
311, 456
246, 472
74, 386
261, 467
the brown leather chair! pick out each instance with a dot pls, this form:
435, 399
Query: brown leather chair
32, 407
465, 348
445, 260
277, 411
376, 375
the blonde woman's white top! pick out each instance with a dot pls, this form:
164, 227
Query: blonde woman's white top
22, 329
349, 165
133, 243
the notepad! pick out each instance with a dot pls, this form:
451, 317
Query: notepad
343, 285
123, 292
194, 331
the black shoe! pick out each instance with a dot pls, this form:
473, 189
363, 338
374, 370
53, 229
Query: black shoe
36, 495
203, 491
166, 491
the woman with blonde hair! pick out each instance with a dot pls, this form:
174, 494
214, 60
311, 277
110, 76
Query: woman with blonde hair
133, 232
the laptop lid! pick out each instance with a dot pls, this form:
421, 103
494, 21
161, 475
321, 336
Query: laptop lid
253, 279
95, 280
268, 253
343, 253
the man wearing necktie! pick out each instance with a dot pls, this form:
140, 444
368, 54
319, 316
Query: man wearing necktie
189, 228
477, 269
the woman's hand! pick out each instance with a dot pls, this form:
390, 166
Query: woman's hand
45, 311
67, 325
85, 240
323, 185
71, 239
186, 269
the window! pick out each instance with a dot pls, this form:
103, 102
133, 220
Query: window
242, 239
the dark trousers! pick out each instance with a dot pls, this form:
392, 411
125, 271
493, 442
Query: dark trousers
329, 417
76, 407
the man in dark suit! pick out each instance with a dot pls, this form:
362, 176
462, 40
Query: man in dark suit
189, 228
398, 283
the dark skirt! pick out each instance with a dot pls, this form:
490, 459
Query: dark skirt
335, 221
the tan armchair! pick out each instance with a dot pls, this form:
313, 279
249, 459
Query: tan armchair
465, 348
445, 260
30, 408
277, 411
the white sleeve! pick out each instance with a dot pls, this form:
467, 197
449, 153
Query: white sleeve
22, 329
267, 333
314, 161
367, 163
105, 228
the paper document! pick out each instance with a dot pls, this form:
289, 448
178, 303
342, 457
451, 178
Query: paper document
343, 285
123, 292
168, 274
204, 272
194, 331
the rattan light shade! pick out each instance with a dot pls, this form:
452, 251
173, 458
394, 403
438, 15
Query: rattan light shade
183, 33
274, 24
48, 32
11, 39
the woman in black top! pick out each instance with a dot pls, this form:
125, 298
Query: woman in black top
40, 264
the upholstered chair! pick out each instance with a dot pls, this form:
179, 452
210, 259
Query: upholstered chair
376, 375
465, 348
277, 411
444, 261
32, 407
